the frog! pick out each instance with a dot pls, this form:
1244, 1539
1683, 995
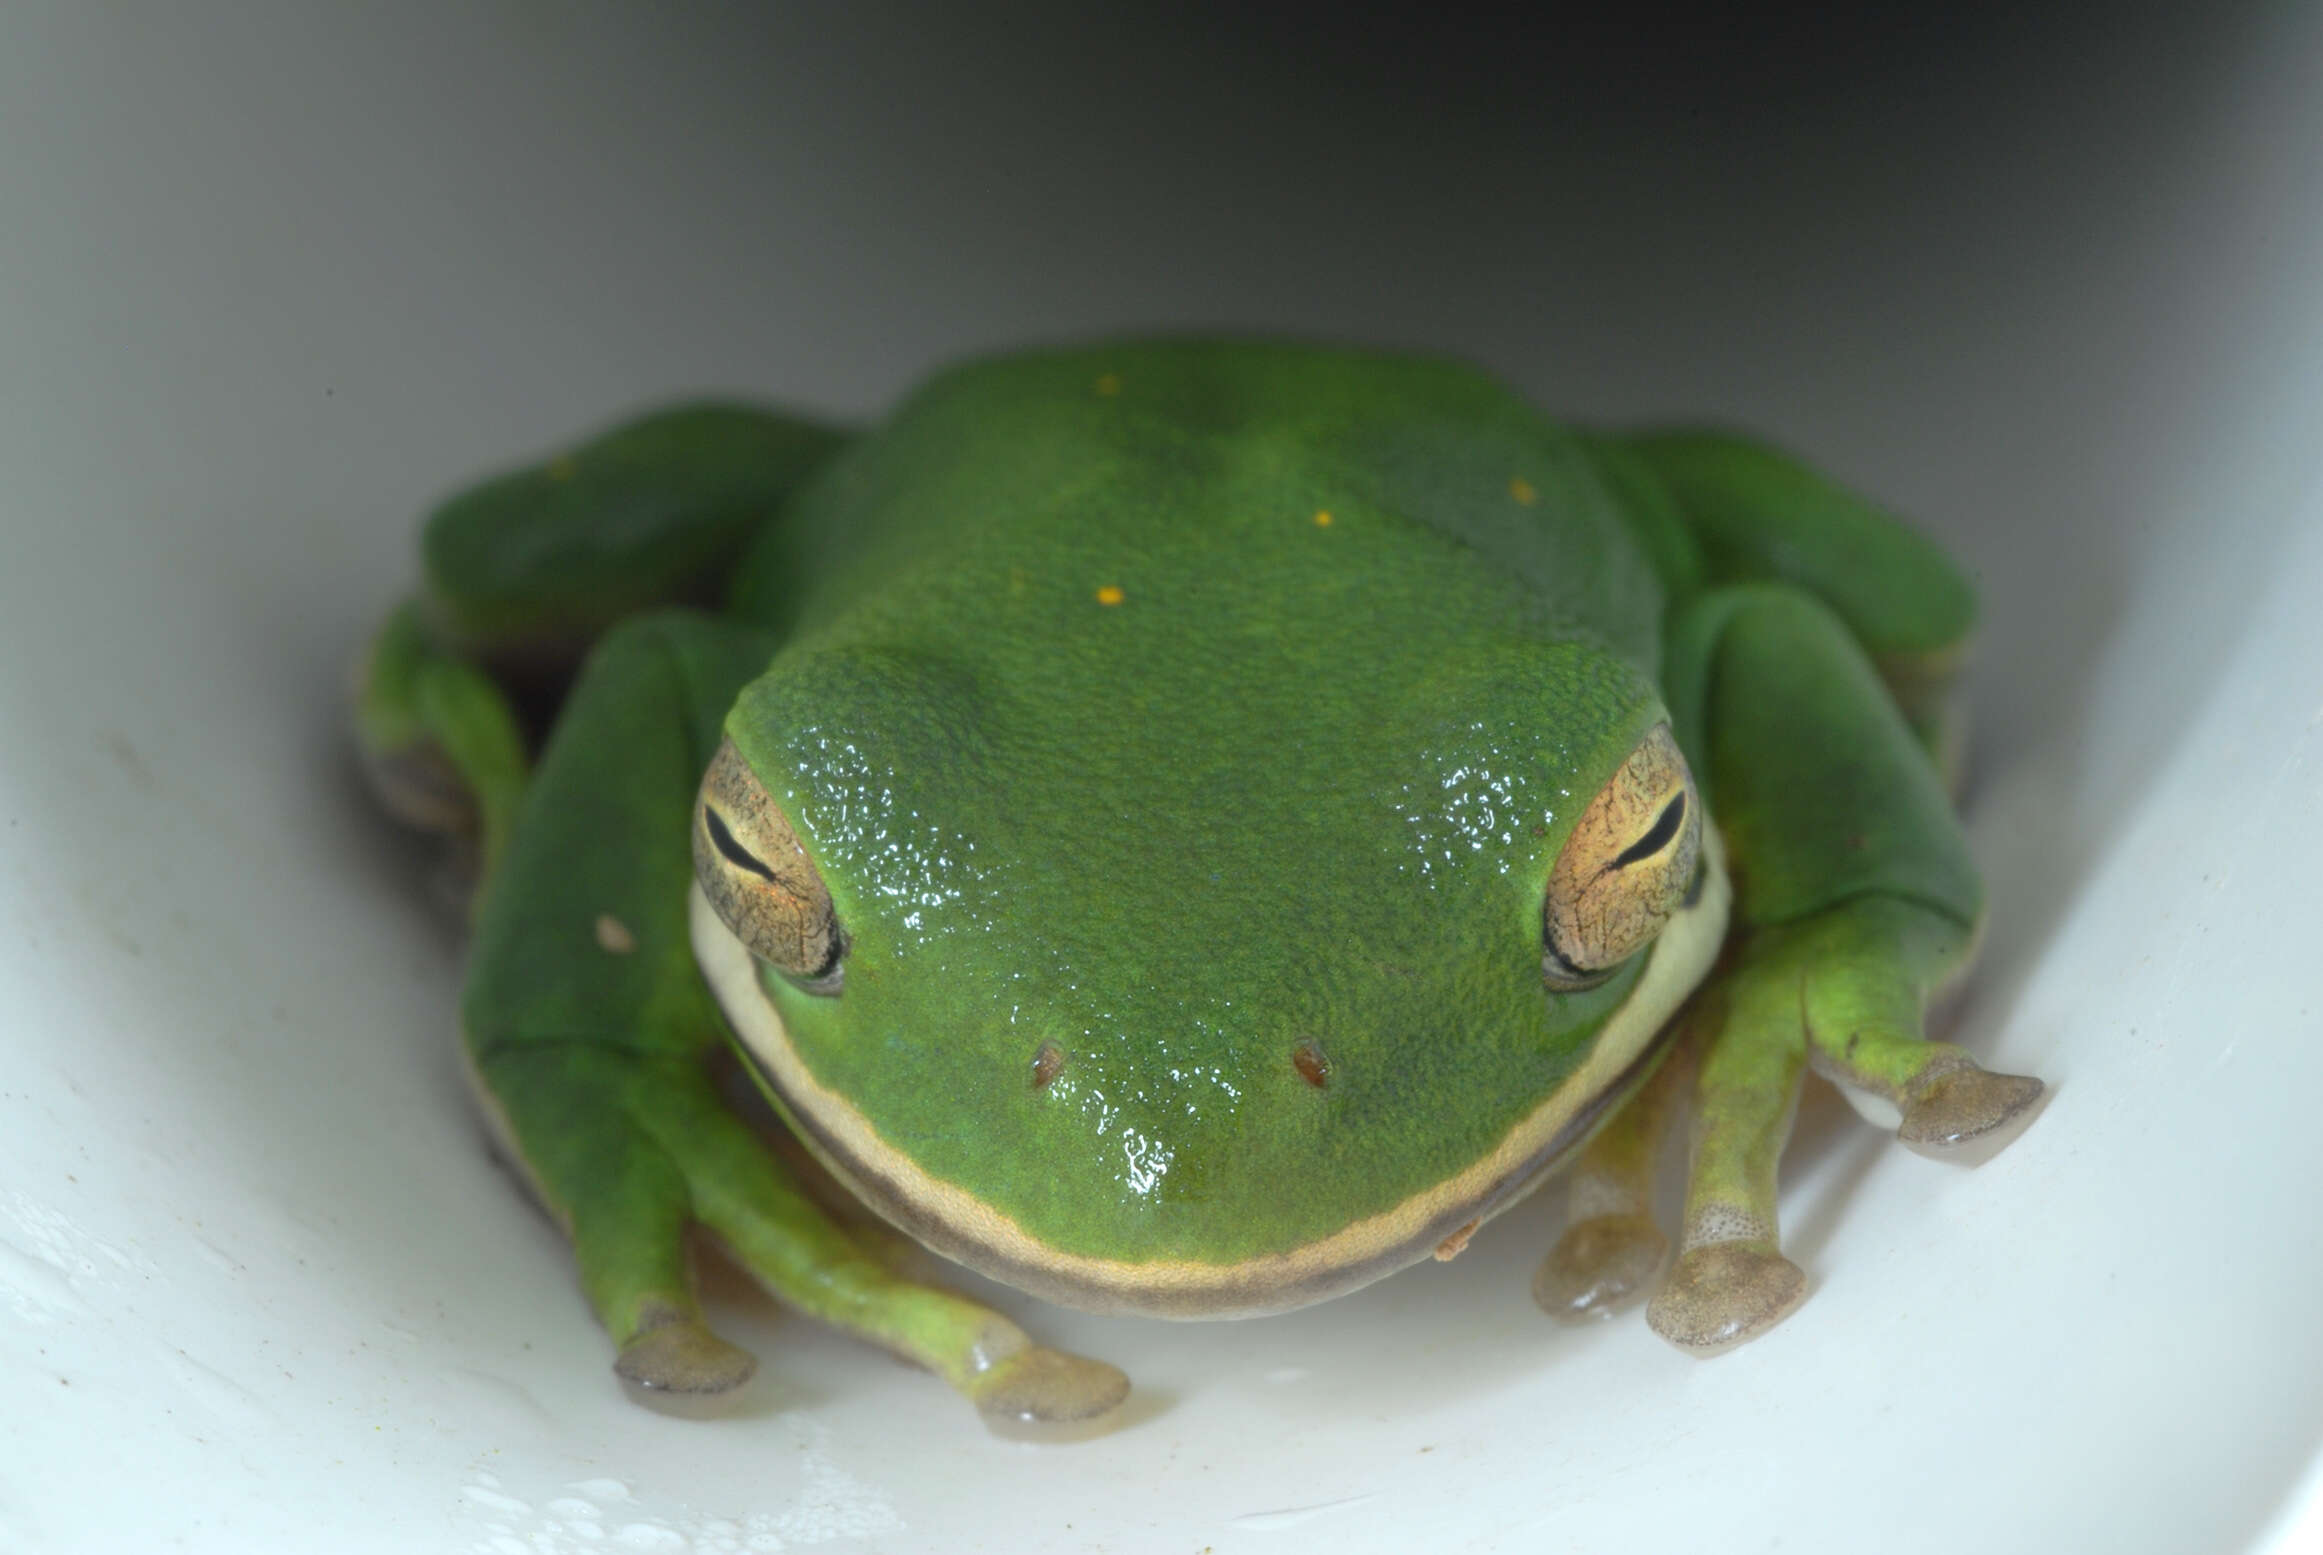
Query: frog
1181, 826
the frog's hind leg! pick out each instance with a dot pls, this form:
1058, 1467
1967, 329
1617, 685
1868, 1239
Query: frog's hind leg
591, 1034
525, 570
1756, 514
1855, 900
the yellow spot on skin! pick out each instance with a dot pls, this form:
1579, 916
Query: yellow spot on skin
1109, 384
560, 469
1110, 594
1522, 490
1323, 518
613, 935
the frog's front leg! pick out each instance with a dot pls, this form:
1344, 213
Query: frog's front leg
588, 1027
1855, 901
1612, 1250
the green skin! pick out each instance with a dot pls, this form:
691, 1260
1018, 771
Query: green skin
1185, 733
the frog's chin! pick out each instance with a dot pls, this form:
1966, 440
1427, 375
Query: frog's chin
1437, 1219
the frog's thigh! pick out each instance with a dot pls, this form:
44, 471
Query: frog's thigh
1759, 514
524, 570
541, 559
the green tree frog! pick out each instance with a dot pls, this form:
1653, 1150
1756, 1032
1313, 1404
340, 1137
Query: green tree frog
1184, 827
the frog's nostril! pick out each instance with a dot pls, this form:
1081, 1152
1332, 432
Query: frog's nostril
1047, 1064
1307, 1058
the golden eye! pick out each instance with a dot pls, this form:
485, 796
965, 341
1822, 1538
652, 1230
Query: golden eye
1625, 869
764, 887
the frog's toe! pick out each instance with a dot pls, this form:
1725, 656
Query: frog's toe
681, 1355
1599, 1266
1968, 1113
1722, 1294
1038, 1385
441, 746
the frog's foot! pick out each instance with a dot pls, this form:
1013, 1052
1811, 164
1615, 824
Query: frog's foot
631, 1149
1862, 1016
803, 1256
673, 1351
1842, 991
1600, 1266
1035, 1385
1015, 1382
1612, 1251
1011, 1380
440, 744
1731, 1282
1957, 1110
416, 784
1726, 1293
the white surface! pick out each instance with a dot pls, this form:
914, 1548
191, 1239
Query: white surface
271, 278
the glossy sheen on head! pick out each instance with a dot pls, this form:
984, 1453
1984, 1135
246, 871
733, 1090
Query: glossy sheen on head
1186, 735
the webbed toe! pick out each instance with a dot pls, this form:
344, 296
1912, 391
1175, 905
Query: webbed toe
1968, 1113
1599, 1266
1040, 1386
681, 1355
1722, 1294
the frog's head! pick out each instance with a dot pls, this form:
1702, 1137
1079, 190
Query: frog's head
1144, 997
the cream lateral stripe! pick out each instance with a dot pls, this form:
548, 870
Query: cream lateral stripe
503, 1134
972, 1231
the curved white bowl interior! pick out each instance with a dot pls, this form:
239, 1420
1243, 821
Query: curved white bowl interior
274, 276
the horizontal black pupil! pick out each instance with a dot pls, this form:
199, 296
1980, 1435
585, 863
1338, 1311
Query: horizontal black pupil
736, 854
1665, 827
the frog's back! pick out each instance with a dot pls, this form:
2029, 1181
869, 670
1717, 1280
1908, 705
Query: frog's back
1211, 450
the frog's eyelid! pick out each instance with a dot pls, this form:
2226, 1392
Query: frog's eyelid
829, 980
1663, 832
736, 854
1695, 885
1567, 977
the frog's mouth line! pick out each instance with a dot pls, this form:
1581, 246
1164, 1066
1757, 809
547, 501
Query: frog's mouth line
964, 1228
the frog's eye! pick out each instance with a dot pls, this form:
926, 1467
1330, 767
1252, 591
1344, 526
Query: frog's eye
1625, 869
764, 887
